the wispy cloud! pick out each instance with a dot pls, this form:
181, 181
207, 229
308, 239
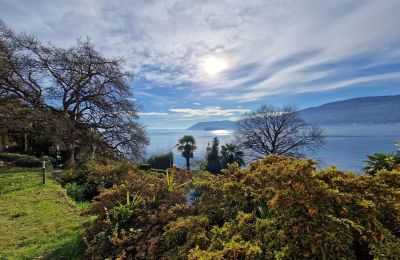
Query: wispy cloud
271, 47
188, 113
152, 114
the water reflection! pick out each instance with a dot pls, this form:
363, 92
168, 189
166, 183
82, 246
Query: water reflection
221, 132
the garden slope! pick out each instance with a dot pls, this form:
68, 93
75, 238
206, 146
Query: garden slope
37, 220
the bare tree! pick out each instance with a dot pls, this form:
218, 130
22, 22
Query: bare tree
87, 94
277, 130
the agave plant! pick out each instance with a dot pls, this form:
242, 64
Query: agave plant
169, 180
264, 212
122, 212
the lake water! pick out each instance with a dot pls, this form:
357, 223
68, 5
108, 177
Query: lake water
346, 147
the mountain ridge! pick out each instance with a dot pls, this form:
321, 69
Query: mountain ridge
360, 110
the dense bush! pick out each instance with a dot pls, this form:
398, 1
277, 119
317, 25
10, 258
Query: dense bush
381, 161
123, 230
161, 161
76, 191
28, 161
10, 157
279, 208
95, 175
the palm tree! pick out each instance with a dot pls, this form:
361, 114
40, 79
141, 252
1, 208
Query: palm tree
231, 153
187, 144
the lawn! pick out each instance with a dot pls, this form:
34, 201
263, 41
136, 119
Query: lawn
37, 220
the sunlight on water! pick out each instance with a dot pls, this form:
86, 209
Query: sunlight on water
221, 132
346, 146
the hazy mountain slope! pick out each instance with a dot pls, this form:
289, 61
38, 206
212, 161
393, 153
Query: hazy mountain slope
364, 110
213, 125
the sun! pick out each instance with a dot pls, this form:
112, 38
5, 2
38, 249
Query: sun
213, 65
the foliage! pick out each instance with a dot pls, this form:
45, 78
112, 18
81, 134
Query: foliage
124, 232
187, 145
105, 172
380, 161
277, 130
279, 208
213, 161
86, 181
37, 221
10, 157
76, 191
231, 153
161, 161
83, 98
28, 161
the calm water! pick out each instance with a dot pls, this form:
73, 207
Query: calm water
346, 146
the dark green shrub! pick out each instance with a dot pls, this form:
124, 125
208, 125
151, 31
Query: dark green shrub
11, 157
161, 161
75, 191
382, 161
50, 161
145, 166
28, 162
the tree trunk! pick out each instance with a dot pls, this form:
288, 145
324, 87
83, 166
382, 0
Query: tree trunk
70, 157
187, 163
25, 142
93, 155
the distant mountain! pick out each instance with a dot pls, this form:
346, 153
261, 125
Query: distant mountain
363, 110
213, 125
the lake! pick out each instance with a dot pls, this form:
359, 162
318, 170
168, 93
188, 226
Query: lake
346, 147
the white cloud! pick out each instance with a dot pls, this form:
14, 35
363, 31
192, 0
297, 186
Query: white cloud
197, 104
152, 114
189, 113
164, 41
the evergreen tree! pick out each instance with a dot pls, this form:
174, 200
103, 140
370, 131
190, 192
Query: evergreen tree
213, 158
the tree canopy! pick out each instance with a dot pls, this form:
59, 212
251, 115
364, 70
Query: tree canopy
213, 160
231, 153
86, 95
187, 144
277, 130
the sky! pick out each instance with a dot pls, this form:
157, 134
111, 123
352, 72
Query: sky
214, 60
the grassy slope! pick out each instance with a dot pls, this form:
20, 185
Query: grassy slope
35, 219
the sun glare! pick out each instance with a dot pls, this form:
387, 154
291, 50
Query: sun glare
214, 65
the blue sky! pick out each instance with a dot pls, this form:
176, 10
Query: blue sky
301, 52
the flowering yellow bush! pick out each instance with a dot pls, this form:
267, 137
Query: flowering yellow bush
279, 208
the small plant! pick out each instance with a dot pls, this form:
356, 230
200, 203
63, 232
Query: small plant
76, 191
136, 199
122, 212
169, 180
49, 160
264, 212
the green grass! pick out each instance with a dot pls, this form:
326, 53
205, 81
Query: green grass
38, 220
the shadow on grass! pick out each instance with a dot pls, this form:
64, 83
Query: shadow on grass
72, 248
